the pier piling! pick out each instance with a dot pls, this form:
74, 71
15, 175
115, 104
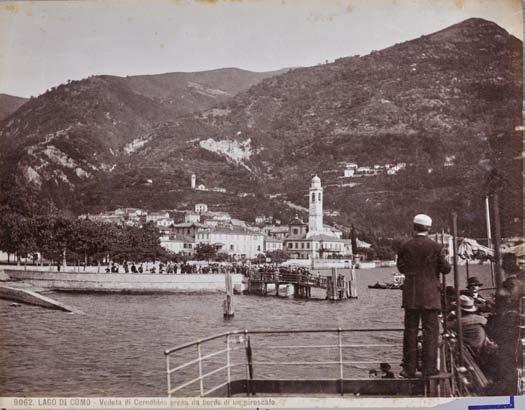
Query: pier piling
228, 302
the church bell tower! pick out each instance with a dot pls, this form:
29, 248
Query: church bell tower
315, 217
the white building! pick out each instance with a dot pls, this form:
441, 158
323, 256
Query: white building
272, 244
188, 229
201, 208
349, 172
155, 216
315, 215
393, 170
236, 242
362, 244
217, 216
164, 223
191, 217
238, 223
365, 171
193, 181
449, 161
178, 244
315, 240
276, 231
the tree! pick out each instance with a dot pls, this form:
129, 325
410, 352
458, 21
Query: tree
149, 241
222, 257
278, 256
353, 237
54, 235
385, 252
204, 251
89, 239
260, 258
17, 234
368, 253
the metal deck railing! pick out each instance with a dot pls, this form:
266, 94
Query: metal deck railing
521, 350
217, 357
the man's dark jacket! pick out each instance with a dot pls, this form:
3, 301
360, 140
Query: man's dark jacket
421, 260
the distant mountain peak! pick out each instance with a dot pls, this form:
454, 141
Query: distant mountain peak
474, 27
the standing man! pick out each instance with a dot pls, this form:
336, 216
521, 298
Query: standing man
421, 260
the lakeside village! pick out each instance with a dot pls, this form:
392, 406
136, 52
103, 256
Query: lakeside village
198, 240
215, 236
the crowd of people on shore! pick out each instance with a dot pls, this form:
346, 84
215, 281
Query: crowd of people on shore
269, 268
171, 268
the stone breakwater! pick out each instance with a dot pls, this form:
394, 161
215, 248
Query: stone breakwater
32, 298
124, 282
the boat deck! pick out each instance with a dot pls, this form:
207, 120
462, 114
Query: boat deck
294, 362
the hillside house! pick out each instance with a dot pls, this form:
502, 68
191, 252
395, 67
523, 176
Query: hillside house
272, 244
201, 208
155, 216
164, 222
350, 169
278, 232
187, 229
191, 217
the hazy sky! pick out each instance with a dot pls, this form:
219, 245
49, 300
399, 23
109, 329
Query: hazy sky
44, 43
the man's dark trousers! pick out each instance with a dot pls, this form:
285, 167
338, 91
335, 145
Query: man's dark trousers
430, 326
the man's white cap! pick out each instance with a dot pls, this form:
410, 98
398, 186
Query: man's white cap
423, 219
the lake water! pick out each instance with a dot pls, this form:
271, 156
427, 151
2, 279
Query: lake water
115, 348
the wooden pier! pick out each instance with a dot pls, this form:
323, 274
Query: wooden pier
339, 283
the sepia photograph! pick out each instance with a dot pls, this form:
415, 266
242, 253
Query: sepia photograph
261, 203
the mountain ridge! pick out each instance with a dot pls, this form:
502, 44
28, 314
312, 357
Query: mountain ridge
453, 93
9, 104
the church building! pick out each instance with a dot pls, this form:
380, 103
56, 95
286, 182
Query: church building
315, 240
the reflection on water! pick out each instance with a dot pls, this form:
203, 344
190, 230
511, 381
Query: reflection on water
116, 347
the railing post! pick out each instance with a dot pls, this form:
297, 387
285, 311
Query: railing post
168, 374
456, 285
249, 368
201, 382
228, 363
340, 345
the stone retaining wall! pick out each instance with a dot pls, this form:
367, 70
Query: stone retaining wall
120, 282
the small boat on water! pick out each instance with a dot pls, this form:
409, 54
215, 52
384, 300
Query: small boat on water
397, 283
378, 285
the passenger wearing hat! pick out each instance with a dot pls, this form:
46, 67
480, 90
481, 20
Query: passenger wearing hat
421, 260
474, 333
385, 369
473, 287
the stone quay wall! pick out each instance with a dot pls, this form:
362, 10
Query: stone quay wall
125, 282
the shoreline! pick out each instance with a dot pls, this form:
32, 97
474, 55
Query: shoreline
126, 283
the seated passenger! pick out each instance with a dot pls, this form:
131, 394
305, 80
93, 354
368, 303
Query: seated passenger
474, 285
385, 369
474, 332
